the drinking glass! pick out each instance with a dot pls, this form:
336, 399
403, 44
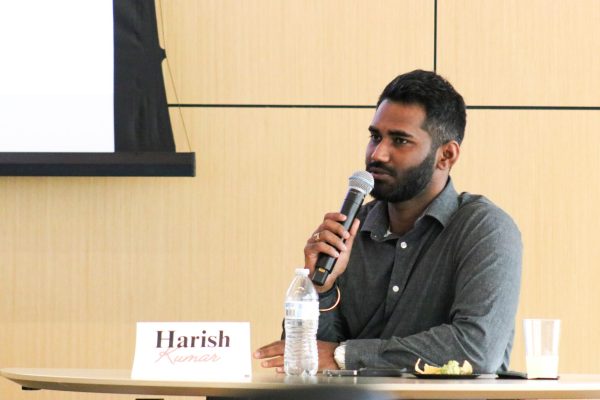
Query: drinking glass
541, 347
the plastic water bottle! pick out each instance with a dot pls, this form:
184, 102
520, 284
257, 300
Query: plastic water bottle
301, 356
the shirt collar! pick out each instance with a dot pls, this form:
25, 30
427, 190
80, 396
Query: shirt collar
441, 208
444, 205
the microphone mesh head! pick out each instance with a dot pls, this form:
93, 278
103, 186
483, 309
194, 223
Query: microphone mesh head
363, 181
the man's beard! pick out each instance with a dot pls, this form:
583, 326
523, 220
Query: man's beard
414, 181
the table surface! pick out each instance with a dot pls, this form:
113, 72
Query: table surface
119, 382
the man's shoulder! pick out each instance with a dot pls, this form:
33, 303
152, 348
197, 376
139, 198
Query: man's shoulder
476, 210
477, 203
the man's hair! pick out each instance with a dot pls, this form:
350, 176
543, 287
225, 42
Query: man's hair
445, 111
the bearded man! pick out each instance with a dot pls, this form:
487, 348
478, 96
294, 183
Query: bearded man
424, 272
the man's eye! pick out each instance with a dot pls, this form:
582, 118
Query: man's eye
375, 137
399, 140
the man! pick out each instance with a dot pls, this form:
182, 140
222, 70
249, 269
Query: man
424, 272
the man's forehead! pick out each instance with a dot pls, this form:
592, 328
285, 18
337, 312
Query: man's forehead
401, 114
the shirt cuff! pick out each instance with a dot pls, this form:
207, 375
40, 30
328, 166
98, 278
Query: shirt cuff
363, 353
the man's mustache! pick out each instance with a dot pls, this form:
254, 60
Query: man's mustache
379, 167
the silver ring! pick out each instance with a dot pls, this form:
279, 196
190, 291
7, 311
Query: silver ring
316, 236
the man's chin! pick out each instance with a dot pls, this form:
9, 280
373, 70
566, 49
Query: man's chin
389, 193
389, 198
380, 193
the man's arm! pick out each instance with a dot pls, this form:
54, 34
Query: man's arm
488, 262
331, 326
328, 239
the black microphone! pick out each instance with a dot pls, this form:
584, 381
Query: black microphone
361, 184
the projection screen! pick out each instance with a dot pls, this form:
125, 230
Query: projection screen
81, 90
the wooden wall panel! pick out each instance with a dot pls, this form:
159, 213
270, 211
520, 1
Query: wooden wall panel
83, 259
293, 52
543, 167
521, 52
86, 258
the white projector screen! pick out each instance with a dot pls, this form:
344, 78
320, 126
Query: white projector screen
57, 76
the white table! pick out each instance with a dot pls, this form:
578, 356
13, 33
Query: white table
119, 382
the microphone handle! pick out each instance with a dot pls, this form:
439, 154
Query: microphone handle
325, 262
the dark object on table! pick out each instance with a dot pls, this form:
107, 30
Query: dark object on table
511, 375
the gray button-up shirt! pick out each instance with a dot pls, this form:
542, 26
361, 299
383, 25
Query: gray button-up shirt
446, 290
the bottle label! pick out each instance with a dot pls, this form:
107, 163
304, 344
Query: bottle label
301, 309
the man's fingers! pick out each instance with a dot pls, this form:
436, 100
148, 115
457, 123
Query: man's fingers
330, 243
313, 251
273, 353
331, 239
276, 362
333, 227
335, 216
274, 349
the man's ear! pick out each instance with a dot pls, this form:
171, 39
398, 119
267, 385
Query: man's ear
448, 154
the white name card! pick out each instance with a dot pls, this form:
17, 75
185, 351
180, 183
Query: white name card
192, 351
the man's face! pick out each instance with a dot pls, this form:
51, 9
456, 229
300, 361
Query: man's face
399, 154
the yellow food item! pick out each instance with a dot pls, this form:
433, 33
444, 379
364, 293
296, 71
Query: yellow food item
466, 369
450, 368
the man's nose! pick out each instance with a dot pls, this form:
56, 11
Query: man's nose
381, 152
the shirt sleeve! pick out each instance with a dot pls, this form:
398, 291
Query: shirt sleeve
487, 260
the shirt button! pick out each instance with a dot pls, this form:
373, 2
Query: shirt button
395, 289
403, 245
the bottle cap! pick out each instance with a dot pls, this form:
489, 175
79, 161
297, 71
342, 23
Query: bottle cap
302, 271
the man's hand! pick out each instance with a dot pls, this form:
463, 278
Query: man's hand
326, 350
272, 354
329, 239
